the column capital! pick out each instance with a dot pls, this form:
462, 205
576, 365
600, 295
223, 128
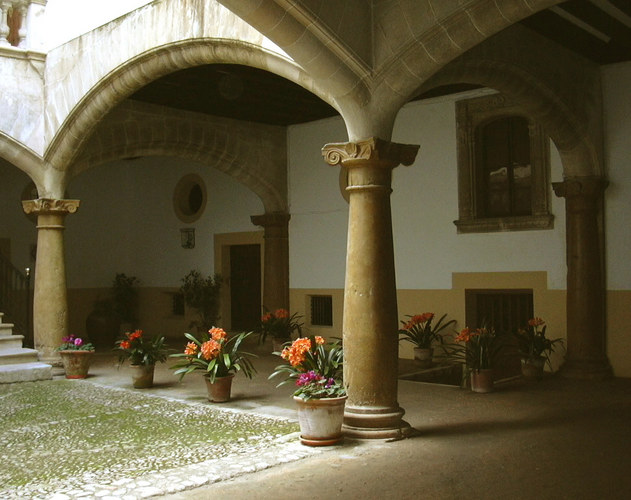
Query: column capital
373, 149
580, 186
50, 206
271, 219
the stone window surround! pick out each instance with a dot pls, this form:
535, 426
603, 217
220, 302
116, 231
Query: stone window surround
472, 113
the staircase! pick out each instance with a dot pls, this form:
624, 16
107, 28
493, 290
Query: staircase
19, 364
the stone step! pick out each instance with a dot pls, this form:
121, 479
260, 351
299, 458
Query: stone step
15, 355
9, 341
6, 328
25, 372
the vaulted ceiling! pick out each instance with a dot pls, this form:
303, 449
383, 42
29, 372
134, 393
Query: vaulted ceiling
598, 30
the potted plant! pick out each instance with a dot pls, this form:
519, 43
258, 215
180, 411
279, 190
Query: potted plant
279, 325
477, 349
535, 348
76, 356
202, 295
315, 368
419, 331
218, 357
143, 353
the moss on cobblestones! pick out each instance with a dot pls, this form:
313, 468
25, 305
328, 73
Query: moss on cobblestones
73, 432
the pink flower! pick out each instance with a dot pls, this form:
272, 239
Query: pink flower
78, 342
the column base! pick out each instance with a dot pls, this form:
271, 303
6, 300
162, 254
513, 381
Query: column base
586, 369
370, 422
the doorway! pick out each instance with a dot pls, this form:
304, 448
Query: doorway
245, 286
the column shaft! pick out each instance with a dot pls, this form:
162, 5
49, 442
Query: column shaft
586, 350
370, 307
50, 303
275, 259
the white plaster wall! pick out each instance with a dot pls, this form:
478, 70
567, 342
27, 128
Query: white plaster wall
126, 222
424, 205
617, 112
319, 213
64, 20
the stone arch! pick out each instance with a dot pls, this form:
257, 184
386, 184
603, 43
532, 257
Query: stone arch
22, 158
569, 110
155, 63
253, 154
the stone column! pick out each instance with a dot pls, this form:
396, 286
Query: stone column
586, 356
50, 303
275, 259
370, 323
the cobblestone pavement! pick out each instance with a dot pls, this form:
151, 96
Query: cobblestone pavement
183, 478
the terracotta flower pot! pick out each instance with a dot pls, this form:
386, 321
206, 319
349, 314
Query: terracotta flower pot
142, 376
533, 367
320, 420
219, 390
482, 380
76, 363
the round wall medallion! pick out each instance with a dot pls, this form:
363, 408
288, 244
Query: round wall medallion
189, 198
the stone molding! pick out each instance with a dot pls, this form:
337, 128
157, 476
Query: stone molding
470, 115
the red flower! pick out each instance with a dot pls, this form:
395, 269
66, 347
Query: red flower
281, 313
125, 344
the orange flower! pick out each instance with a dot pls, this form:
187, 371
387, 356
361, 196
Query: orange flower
191, 349
319, 340
281, 313
210, 349
136, 335
536, 322
125, 344
295, 353
217, 334
464, 335
266, 317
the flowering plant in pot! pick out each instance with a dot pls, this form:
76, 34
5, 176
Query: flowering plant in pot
219, 357
535, 348
419, 331
279, 324
477, 349
315, 368
76, 356
143, 353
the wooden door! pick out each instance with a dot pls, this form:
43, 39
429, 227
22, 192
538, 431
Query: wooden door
245, 286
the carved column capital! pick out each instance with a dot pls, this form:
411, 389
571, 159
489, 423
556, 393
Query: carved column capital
375, 150
49, 206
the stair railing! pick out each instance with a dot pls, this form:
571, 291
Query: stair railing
16, 299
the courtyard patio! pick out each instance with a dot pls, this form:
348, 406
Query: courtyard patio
556, 438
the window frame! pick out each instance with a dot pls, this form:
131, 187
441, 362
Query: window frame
470, 115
